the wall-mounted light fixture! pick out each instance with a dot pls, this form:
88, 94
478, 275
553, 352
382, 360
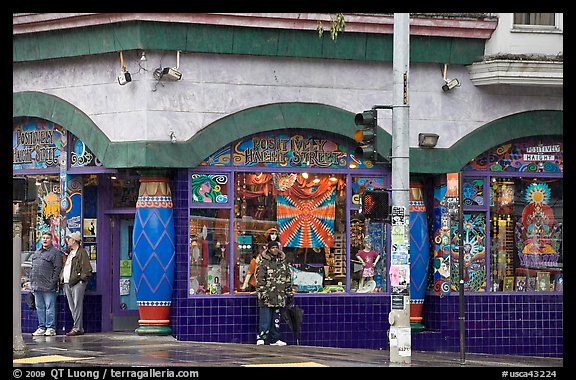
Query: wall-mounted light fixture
427, 140
143, 56
124, 76
449, 84
172, 137
316, 179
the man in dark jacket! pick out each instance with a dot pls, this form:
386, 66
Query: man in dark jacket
273, 288
75, 275
44, 278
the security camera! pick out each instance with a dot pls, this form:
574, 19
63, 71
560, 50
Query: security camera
450, 84
171, 73
124, 78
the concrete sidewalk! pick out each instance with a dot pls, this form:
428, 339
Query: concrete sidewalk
128, 349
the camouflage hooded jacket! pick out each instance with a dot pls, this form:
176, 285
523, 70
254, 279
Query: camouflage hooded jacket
273, 280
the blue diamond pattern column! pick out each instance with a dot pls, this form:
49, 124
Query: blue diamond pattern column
153, 255
419, 254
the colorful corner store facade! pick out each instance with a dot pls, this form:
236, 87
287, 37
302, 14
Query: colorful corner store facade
204, 224
175, 184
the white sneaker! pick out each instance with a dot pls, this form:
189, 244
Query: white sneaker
39, 331
50, 332
278, 343
259, 342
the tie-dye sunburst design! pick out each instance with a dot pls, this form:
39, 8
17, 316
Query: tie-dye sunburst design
307, 223
538, 193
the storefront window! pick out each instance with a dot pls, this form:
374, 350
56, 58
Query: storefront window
307, 212
526, 234
124, 192
209, 248
295, 183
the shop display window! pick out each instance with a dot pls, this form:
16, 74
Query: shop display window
307, 211
526, 234
40, 211
125, 192
209, 251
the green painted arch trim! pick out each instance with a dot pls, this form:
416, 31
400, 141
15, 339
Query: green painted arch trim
277, 116
524, 124
59, 111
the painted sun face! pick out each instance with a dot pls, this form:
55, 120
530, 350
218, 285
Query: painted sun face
538, 193
52, 206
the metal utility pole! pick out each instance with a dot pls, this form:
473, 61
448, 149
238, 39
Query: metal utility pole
19, 347
399, 317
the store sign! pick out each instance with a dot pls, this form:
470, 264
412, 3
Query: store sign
37, 145
289, 151
541, 153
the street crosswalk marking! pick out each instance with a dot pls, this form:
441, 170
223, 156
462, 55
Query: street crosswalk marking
302, 364
47, 359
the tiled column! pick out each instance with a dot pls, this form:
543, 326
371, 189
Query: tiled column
153, 255
419, 254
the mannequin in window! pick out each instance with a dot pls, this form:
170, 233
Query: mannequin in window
368, 258
271, 234
250, 279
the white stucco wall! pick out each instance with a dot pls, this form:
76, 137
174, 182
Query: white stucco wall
214, 86
506, 39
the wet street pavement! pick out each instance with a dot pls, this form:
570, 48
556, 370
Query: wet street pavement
131, 350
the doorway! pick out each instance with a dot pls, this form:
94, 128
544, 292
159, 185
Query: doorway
124, 311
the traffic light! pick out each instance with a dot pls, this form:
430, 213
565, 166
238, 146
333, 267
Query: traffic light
366, 136
375, 204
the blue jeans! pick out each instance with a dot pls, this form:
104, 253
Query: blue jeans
46, 309
269, 324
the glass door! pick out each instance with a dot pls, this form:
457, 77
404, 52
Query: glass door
124, 308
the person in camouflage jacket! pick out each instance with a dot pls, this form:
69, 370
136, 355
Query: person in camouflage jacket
274, 291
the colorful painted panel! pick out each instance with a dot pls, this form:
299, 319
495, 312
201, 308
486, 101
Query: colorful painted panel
440, 275
220, 158
474, 246
361, 184
209, 188
542, 155
81, 155
473, 191
74, 202
48, 215
37, 144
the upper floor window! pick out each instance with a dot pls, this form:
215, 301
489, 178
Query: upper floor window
534, 19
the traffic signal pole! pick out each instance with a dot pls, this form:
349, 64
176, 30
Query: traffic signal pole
399, 317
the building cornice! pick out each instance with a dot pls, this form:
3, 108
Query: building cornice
514, 72
480, 27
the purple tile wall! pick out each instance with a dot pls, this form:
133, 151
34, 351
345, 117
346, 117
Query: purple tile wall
528, 324
64, 322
